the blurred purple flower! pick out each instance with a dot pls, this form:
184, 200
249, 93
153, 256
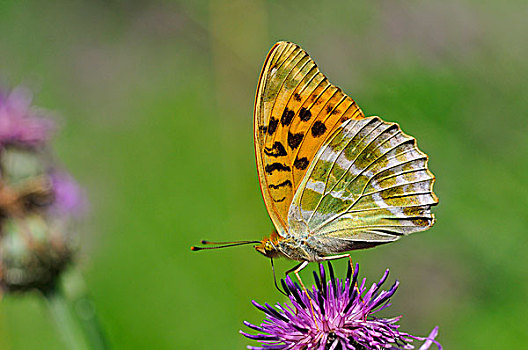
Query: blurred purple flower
341, 318
37, 200
19, 123
70, 199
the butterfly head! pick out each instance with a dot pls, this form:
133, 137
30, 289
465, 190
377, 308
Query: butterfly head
268, 246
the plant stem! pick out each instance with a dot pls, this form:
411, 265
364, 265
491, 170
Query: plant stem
85, 312
69, 329
83, 309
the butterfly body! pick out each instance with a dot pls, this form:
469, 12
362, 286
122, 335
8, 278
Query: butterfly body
332, 179
309, 249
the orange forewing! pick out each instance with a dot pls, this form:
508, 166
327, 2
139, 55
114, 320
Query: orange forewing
296, 109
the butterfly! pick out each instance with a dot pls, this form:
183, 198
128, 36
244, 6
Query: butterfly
332, 179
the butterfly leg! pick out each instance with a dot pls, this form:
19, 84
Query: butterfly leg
275, 279
336, 257
296, 269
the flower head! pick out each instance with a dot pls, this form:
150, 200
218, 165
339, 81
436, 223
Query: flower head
19, 123
37, 200
342, 317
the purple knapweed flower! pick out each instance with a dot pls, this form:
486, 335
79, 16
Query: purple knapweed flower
38, 200
19, 122
338, 315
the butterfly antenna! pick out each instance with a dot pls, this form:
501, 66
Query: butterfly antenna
275, 279
218, 245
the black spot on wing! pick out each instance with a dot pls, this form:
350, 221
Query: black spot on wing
305, 114
318, 128
297, 97
277, 150
284, 183
263, 129
279, 200
287, 117
294, 140
301, 163
329, 109
270, 168
272, 125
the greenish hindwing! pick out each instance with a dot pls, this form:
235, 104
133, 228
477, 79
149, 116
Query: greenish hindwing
369, 182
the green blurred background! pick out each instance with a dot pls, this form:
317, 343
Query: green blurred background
155, 100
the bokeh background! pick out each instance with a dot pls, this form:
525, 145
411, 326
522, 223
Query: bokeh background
155, 100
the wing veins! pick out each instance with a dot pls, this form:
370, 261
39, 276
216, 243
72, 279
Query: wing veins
332, 167
355, 177
379, 232
359, 228
318, 113
395, 186
299, 83
409, 217
262, 120
351, 164
379, 208
327, 176
327, 141
266, 136
389, 159
279, 89
415, 170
